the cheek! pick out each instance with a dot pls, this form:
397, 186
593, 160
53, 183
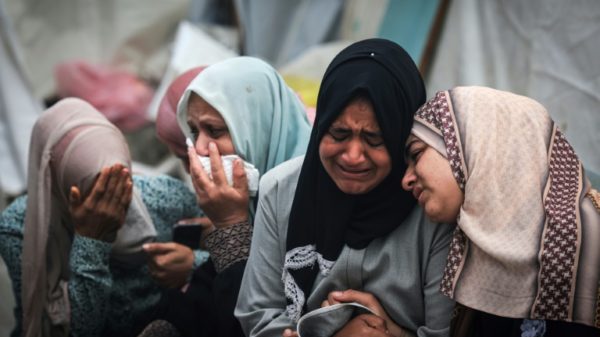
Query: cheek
225, 145
328, 150
382, 161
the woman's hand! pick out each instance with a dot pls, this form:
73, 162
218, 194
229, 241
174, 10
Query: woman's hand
102, 213
365, 325
222, 203
366, 299
170, 263
289, 333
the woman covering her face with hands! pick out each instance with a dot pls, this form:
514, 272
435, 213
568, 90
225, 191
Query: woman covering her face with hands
336, 226
524, 259
73, 244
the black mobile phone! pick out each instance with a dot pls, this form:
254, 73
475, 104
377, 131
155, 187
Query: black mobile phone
187, 234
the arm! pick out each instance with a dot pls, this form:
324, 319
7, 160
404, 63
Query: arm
169, 201
96, 219
11, 242
89, 286
261, 302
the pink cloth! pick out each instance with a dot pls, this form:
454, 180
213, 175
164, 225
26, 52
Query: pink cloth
167, 129
119, 95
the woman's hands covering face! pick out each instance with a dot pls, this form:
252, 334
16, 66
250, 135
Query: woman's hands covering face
102, 212
223, 204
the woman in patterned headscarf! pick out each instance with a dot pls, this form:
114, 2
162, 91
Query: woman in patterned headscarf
524, 257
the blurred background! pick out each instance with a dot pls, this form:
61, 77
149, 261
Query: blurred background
120, 55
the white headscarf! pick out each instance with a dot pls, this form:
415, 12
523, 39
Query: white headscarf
266, 120
71, 142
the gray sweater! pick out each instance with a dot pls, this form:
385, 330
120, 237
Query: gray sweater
403, 270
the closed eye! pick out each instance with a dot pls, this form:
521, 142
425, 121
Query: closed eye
374, 139
339, 134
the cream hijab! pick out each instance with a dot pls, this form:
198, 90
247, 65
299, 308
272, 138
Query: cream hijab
527, 240
71, 142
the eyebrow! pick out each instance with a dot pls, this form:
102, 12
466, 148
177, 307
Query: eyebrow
347, 129
408, 147
373, 133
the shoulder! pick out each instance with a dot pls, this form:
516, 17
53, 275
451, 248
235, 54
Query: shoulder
160, 185
285, 174
14, 214
422, 233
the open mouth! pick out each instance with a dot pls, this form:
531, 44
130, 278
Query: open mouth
354, 172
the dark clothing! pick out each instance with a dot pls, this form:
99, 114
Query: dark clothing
206, 308
468, 322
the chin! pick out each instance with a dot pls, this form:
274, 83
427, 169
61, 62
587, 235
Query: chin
354, 188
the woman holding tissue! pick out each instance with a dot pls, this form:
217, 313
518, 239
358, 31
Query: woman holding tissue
241, 120
73, 244
336, 225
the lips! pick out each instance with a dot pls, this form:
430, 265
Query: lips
417, 193
353, 173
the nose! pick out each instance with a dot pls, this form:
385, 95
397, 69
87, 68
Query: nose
202, 144
354, 154
410, 178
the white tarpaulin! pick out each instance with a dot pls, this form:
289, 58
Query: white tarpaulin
546, 49
18, 111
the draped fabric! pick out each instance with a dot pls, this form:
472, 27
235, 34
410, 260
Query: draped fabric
323, 219
265, 118
528, 230
71, 142
167, 128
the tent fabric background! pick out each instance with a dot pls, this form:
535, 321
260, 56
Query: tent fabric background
545, 49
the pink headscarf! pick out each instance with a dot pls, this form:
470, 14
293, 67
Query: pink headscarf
167, 129
70, 143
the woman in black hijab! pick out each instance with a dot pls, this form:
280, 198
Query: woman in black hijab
339, 219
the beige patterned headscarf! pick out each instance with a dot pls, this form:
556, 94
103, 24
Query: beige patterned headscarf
70, 143
528, 233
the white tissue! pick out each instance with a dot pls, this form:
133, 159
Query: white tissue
252, 174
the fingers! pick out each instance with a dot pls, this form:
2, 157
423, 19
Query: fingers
159, 248
374, 322
75, 197
100, 186
289, 333
199, 177
351, 295
112, 183
240, 181
204, 222
333, 297
216, 165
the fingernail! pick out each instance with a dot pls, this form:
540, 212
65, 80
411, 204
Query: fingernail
212, 146
145, 246
189, 142
337, 293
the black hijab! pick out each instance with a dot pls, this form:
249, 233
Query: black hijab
323, 218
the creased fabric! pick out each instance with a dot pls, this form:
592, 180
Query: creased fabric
71, 142
265, 118
167, 128
527, 237
323, 219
